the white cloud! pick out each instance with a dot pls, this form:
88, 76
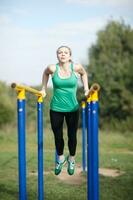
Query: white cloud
5, 20
19, 11
24, 53
74, 28
113, 3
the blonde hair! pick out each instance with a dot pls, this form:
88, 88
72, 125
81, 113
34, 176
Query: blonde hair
70, 51
63, 46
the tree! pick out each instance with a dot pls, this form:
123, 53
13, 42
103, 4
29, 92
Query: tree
110, 64
7, 108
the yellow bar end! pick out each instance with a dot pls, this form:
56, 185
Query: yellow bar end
21, 94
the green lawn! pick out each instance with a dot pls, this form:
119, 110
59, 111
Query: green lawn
116, 152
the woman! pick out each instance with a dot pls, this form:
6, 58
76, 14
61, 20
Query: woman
64, 104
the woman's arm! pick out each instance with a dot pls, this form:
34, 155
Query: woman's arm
80, 70
48, 71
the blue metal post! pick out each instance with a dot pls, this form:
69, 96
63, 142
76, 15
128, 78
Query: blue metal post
56, 156
89, 153
95, 165
21, 149
83, 136
40, 151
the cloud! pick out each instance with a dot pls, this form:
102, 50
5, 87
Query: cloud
75, 28
20, 12
112, 3
5, 20
25, 52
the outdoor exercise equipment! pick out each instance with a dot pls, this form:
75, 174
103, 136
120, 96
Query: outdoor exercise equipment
21, 96
90, 121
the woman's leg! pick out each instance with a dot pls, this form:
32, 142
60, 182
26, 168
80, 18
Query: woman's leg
57, 119
72, 126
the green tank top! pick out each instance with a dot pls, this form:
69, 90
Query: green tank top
64, 92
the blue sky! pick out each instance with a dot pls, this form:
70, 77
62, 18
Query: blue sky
31, 31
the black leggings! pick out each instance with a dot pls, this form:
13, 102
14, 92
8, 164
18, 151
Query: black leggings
57, 119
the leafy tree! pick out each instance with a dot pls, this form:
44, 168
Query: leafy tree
110, 64
31, 104
7, 108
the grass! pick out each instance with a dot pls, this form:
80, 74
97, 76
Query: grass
115, 152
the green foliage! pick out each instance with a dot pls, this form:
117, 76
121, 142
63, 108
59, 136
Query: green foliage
110, 65
7, 108
31, 107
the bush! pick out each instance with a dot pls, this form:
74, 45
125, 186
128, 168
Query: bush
7, 107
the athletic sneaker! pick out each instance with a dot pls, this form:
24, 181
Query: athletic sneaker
71, 166
58, 167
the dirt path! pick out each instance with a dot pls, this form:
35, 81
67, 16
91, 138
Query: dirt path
78, 178
75, 179
110, 172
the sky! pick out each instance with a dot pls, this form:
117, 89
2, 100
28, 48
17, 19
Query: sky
32, 30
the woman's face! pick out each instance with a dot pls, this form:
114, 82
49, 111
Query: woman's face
63, 55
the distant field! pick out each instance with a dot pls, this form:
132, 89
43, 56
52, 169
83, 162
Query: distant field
116, 152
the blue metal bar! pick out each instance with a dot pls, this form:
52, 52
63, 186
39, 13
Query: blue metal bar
95, 160
56, 157
84, 138
40, 151
89, 153
21, 149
